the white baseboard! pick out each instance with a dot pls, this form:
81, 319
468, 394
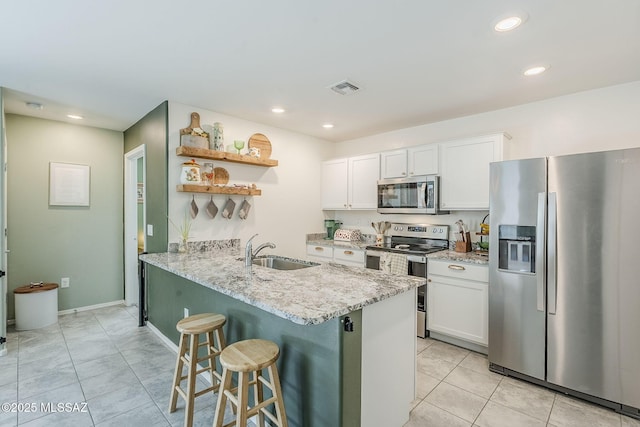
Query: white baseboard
91, 307
166, 341
162, 337
78, 309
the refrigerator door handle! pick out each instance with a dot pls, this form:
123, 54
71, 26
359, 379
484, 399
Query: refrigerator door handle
540, 261
552, 276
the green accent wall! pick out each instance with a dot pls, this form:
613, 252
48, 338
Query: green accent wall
319, 365
152, 131
51, 242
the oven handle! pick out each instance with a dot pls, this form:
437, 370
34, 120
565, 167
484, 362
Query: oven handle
418, 259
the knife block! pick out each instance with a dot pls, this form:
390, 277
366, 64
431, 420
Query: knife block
464, 246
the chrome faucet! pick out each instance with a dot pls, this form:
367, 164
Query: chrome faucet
249, 254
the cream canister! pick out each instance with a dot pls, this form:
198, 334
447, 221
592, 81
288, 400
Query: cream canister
190, 173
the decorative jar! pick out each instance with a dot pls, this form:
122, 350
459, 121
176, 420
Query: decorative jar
190, 173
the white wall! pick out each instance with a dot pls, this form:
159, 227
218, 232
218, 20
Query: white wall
596, 120
290, 204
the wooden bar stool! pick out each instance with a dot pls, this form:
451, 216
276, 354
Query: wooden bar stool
250, 357
190, 329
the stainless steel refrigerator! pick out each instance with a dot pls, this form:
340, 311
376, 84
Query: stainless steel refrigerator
564, 281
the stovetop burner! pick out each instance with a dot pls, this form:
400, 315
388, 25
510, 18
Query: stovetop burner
407, 249
415, 239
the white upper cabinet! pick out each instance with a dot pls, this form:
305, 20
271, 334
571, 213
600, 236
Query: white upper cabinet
423, 160
464, 171
393, 164
334, 184
420, 160
351, 183
364, 172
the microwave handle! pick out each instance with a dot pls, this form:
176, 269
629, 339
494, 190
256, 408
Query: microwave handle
423, 190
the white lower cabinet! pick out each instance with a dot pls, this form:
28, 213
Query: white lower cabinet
320, 253
458, 300
352, 257
345, 256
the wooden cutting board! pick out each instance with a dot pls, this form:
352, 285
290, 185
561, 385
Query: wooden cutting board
195, 123
258, 140
220, 176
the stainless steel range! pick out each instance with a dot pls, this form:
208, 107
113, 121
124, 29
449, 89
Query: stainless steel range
415, 241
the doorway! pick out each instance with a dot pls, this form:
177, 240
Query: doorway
134, 219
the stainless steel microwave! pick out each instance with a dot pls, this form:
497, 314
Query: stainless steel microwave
414, 195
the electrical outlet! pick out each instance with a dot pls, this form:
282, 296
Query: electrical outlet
150, 230
186, 312
64, 282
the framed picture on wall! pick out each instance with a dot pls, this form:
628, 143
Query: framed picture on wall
69, 184
141, 192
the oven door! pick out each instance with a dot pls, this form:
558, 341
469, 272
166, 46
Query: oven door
373, 259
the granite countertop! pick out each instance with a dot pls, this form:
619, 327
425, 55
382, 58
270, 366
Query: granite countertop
306, 296
469, 257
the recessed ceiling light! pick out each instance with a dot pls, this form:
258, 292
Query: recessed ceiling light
534, 71
75, 116
277, 110
508, 24
34, 105
327, 125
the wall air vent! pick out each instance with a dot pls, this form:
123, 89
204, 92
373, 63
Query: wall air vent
344, 87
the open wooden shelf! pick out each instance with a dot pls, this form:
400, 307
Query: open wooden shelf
204, 153
212, 189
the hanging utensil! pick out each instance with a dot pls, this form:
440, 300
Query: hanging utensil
194, 207
228, 209
212, 209
244, 209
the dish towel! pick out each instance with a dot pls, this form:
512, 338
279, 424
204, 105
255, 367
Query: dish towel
394, 263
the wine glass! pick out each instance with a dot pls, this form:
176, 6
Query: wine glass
239, 144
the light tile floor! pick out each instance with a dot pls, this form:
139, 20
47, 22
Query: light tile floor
100, 357
124, 374
456, 388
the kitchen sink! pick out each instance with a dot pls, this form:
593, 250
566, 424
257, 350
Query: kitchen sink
282, 263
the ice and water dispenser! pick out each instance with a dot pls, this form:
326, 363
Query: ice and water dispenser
517, 248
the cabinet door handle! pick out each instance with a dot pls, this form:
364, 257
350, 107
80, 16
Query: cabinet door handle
348, 252
349, 204
428, 280
345, 205
456, 267
319, 248
404, 173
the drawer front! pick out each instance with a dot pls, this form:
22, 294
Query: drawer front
352, 256
320, 251
461, 270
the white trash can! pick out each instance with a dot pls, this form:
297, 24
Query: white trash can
36, 306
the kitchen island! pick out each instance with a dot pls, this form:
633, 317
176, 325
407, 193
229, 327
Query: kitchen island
346, 334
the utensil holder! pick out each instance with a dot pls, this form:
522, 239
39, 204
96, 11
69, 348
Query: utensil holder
464, 246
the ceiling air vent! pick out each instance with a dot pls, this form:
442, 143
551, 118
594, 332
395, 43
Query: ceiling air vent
344, 87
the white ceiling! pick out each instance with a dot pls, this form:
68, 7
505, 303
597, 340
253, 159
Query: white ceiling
417, 61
